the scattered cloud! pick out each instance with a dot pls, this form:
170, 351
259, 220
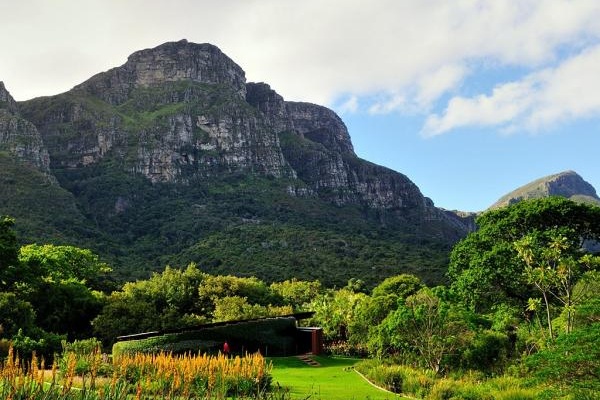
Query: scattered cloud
349, 106
431, 86
540, 100
385, 56
388, 103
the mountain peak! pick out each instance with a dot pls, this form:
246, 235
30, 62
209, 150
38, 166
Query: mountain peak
6, 100
567, 184
168, 62
20, 137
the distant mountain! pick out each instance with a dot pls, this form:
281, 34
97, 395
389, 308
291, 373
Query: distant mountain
173, 157
566, 184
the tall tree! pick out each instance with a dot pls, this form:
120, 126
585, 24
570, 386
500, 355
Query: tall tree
426, 325
554, 264
384, 299
62, 262
485, 267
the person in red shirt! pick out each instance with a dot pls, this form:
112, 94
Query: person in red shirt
226, 349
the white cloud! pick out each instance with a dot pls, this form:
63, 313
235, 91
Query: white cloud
538, 101
349, 106
431, 86
389, 103
408, 53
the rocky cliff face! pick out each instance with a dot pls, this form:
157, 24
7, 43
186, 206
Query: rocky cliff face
182, 113
6, 100
170, 62
173, 114
565, 184
20, 137
316, 143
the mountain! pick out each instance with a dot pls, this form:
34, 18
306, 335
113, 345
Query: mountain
565, 184
173, 157
29, 192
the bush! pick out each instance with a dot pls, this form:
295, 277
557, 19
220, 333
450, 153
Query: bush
487, 352
466, 386
87, 356
44, 344
345, 349
444, 389
396, 378
575, 357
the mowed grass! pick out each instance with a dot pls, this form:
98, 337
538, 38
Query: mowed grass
334, 379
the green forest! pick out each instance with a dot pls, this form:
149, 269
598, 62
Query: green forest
518, 317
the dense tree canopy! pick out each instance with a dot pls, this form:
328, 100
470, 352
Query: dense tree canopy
62, 262
384, 299
485, 267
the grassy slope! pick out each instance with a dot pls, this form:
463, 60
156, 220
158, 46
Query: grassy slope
333, 380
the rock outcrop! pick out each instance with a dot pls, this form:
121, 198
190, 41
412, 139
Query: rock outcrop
317, 145
6, 100
170, 62
173, 114
20, 137
565, 184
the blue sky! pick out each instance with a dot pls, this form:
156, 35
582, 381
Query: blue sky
469, 98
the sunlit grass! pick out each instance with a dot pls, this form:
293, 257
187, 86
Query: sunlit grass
334, 379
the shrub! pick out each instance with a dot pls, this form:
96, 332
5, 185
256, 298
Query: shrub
574, 360
487, 352
444, 389
397, 378
88, 357
44, 344
345, 349
472, 385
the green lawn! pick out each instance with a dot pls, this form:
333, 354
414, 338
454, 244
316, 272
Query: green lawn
333, 380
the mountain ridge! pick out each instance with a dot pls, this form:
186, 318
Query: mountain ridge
567, 184
174, 148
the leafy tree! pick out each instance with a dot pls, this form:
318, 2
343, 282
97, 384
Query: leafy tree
218, 286
56, 281
554, 264
401, 286
335, 310
384, 299
15, 314
485, 267
123, 315
9, 250
172, 289
62, 262
235, 308
295, 292
66, 307
169, 300
427, 326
